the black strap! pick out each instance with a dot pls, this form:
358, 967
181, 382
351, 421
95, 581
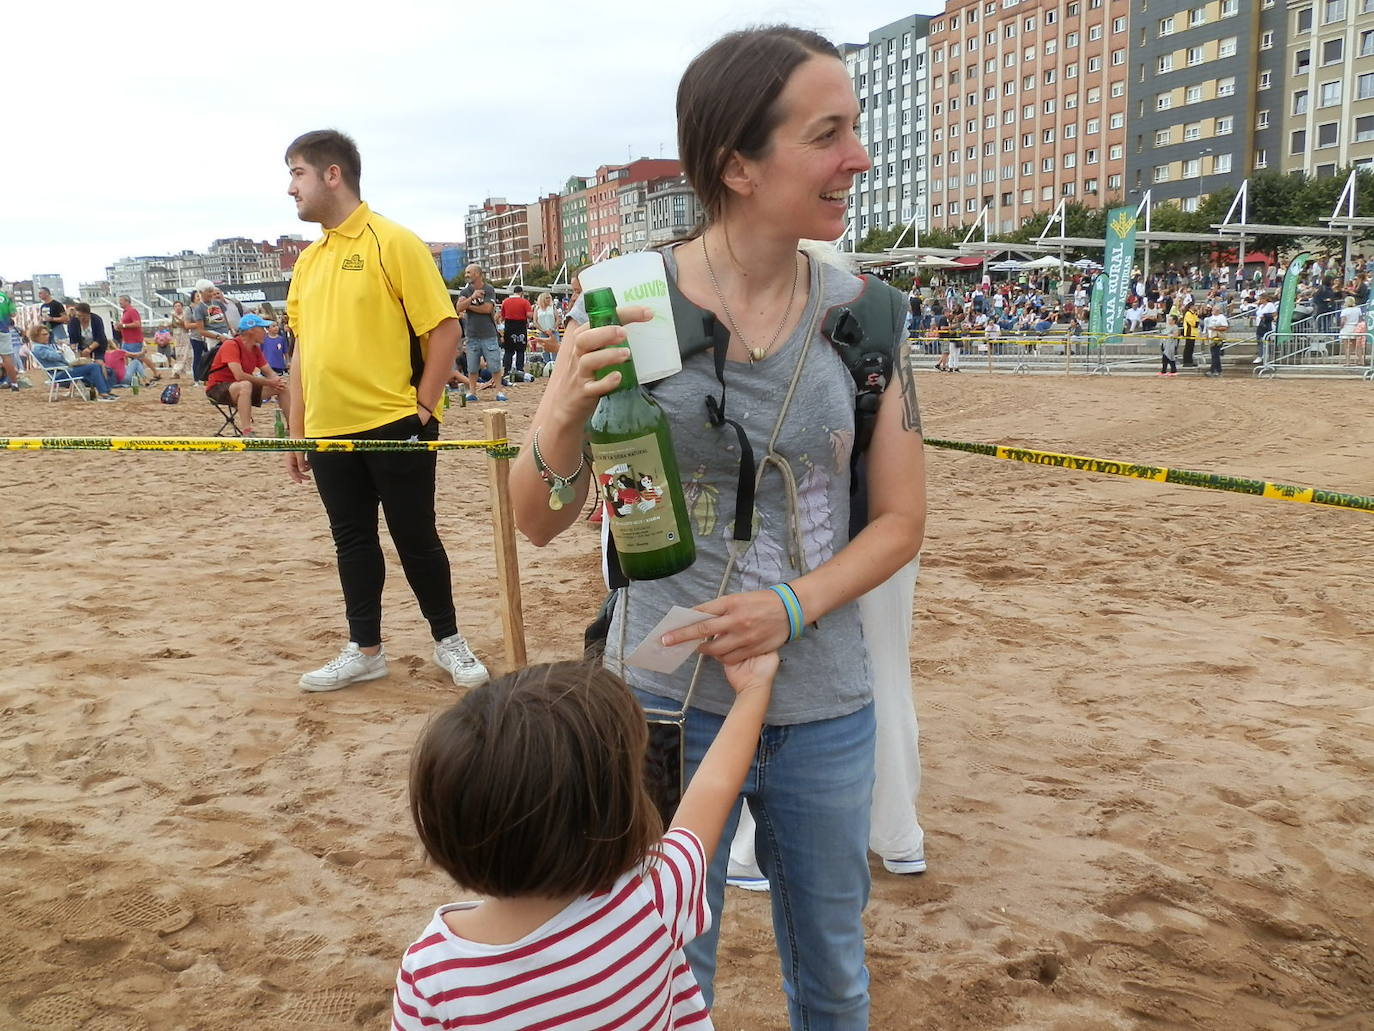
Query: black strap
715, 412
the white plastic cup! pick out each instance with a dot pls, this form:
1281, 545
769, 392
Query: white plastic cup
642, 279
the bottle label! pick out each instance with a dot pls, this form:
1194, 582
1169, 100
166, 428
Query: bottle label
634, 490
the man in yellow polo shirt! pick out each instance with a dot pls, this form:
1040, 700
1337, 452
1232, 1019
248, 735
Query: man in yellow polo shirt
376, 335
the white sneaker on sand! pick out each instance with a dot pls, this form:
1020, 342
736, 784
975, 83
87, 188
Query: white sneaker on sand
454, 655
350, 667
913, 863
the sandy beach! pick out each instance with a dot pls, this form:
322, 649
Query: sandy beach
1146, 714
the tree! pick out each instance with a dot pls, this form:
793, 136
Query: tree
880, 239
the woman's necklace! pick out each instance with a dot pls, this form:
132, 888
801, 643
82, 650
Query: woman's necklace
756, 354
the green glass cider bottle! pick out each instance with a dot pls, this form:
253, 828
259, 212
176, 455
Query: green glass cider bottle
635, 468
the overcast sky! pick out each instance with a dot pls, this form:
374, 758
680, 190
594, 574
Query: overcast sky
162, 130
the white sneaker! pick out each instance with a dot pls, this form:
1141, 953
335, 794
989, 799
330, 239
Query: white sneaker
454, 655
913, 863
748, 883
351, 667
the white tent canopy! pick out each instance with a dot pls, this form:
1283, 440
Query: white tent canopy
1048, 261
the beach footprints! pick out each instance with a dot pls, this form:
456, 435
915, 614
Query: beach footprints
329, 1007
141, 910
58, 1010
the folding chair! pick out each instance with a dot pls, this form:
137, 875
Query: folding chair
61, 381
230, 414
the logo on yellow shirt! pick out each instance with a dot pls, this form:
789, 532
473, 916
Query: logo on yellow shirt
353, 263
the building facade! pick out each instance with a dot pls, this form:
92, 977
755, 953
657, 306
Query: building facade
890, 80
1327, 100
572, 218
550, 224
1027, 107
603, 200
1205, 95
507, 241
673, 210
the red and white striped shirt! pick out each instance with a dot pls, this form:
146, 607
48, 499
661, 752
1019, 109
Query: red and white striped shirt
610, 960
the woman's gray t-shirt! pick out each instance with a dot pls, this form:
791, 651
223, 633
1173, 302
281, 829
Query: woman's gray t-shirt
825, 674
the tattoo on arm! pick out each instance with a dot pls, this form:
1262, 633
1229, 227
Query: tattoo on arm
906, 382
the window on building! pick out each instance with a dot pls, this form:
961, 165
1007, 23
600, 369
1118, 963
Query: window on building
1166, 64
1325, 171
1364, 86
1114, 152
1094, 94
1328, 134
1194, 56
1225, 125
1094, 125
1333, 10
1166, 26
1071, 40
1070, 101
1116, 121
1192, 94
1267, 40
1300, 102
1197, 16
1163, 137
1049, 106
1027, 168
1008, 116
1297, 141
1118, 57
1071, 70
1094, 32
1192, 168
1118, 89
1009, 60
1051, 45
1070, 131
1261, 158
1095, 63
1047, 193
1070, 160
1262, 120
1332, 50
1227, 47
1221, 163
1049, 76
1230, 8
936, 210
1028, 112
1161, 173
1364, 128
1226, 87
971, 204
1302, 21
1028, 83
1266, 79
1090, 156
1330, 95
1114, 182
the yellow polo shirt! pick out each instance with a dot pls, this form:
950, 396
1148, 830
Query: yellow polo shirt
345, 305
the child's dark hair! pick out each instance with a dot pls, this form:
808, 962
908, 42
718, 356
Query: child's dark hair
533, 785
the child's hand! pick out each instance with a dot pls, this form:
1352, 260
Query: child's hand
753, 674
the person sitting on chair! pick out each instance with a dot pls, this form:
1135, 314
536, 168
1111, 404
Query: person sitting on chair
241, 376
51, 359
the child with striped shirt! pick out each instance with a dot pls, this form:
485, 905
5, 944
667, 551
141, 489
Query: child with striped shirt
530, 792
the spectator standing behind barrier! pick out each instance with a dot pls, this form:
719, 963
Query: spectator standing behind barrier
546, 326
54, 315
1215, 329
207, 319
477, 307
7, 338
181, 340
1168, 347
357, 295
515, 313
130, 326
1190, 328
1265, 312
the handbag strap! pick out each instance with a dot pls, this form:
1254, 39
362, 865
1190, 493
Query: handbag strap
771, 457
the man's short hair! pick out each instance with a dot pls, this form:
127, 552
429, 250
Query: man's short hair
520, 289
83, 308
44, 290
204, 284
324, 147
126, 297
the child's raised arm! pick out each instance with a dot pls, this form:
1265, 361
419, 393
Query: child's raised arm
716, 784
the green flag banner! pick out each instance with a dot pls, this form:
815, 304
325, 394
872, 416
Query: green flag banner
1097, 310
1121, 223
1283, 331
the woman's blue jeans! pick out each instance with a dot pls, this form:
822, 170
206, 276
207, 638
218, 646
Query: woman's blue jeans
810, 790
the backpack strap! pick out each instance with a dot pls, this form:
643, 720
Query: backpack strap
866, 331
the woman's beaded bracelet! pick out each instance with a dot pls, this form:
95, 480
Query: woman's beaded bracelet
560, 487
796, 623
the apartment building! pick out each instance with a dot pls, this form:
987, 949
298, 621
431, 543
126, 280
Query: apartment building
1327, 103
1205, 94
889, 76
604, 219
551, 225
1027, 107
572, 219
512, 240
673, 210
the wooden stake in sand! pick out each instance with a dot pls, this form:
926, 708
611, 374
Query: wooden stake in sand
503, 536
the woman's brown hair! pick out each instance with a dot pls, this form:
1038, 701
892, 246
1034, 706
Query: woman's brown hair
727, 101
533, 785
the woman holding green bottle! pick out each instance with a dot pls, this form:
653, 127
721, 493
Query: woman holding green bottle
767, 125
